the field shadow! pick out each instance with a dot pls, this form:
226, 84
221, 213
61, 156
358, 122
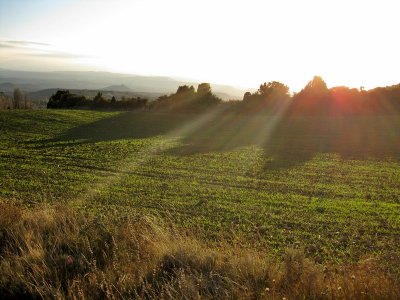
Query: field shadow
222, 133
290, 141
126, 125
287, 141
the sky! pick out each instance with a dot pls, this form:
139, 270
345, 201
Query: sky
241, 43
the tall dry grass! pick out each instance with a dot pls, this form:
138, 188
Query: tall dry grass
53, 252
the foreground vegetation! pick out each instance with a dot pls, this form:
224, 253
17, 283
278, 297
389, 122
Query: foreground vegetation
53, 252
247, 187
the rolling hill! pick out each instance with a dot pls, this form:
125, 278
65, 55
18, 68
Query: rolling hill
42, 82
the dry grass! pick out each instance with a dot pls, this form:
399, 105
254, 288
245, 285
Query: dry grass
54, 252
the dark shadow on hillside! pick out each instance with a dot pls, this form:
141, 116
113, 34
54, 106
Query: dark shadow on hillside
287, 141
222, 133
292, 141
232, 131
352, 137
127, 125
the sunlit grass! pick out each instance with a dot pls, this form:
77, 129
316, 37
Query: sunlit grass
249, 180
56, 252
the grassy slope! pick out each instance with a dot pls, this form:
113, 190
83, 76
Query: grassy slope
225, 178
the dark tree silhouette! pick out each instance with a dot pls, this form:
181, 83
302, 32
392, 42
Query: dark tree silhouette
315, 88
312, 99
98, 98
273, 89
64, 99
184, 89
186, 99
267, 97
271, 98
203, 89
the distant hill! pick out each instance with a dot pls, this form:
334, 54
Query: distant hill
117, 88
6, 86
154, 85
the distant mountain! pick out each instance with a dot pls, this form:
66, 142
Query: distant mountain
117, 88
30, 82
8, 87
42, 94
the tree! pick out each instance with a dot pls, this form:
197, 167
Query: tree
56, 100
64, 99
203, 89
314, 98
27, 103
316, 87
185, 89
273, 89
98, 98
269, 96
186, 99
17, 98
113, 100
5, 101
246, 96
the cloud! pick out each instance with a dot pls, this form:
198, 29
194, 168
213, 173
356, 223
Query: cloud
38, 50
6, 45
21, 44
26, 43
56, 54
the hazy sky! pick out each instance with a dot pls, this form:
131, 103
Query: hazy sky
242, 43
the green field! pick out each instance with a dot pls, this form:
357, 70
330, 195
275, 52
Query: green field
317, 183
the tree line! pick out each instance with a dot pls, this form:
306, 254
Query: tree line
317, 98
186, 99
314, 98
18, 100
65, 99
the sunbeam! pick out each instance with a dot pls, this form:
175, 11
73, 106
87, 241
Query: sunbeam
157, 146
